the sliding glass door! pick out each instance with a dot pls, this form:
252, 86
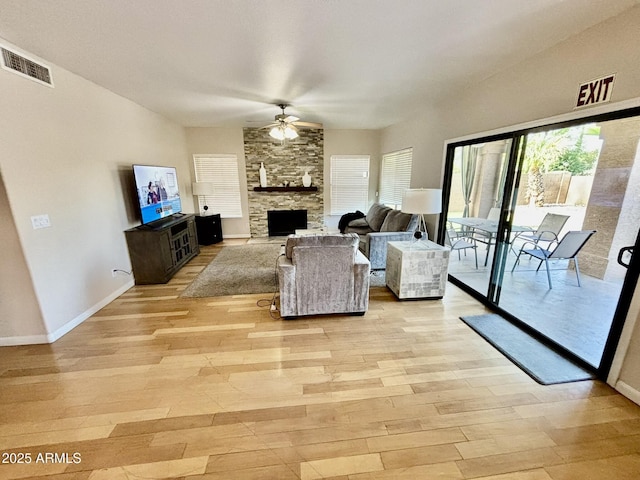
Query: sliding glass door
476, 192
510, 198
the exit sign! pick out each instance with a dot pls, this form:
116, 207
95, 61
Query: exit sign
595, 92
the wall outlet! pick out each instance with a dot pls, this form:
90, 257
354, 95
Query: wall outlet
40, 221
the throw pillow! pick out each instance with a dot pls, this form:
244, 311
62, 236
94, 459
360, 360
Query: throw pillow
396, 221
376, 215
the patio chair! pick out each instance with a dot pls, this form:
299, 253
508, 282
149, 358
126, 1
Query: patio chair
566, 249
461, 243
547, 231
494, 214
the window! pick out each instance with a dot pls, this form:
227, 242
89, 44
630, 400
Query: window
349, 183
222, 171
395, 177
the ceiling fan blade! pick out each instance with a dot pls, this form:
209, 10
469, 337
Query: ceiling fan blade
307, 124
283, 120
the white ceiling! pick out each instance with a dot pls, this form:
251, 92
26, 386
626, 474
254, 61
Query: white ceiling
345, 63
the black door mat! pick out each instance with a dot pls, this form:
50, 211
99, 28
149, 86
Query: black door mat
540, 362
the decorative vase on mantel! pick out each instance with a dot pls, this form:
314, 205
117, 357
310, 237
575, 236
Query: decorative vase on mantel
263, 175
306, 180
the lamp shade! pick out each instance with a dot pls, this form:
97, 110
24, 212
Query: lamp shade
422, 200
202, 188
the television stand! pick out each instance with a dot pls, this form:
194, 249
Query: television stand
164, 222
158, 251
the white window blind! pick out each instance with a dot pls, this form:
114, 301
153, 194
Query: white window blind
349, 183
222, 171
395, 177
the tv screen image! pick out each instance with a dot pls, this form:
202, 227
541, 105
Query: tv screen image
158, 193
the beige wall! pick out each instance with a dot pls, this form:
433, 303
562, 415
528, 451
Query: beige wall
67, 152
424, 134
222, 141
20, 315
547, 85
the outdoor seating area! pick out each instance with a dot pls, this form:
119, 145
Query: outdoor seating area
549, 235
556, 210
482, 230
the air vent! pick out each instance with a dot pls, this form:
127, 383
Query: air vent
18, 64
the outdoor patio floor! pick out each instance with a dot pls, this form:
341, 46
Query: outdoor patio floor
578, 318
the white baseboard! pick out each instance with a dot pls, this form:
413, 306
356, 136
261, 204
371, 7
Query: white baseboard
67, 327
628, 391
23, 340
237, 235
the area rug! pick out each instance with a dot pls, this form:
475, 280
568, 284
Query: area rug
246, 269
238, 270
539, 361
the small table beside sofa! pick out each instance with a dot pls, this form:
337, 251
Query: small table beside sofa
417, 269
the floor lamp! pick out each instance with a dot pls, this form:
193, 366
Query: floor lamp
422, 201
202, 189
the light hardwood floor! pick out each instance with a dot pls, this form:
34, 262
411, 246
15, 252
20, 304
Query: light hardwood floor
157, 386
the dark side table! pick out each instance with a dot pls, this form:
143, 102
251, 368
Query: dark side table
209, 228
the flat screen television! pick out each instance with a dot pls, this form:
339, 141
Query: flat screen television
158, 193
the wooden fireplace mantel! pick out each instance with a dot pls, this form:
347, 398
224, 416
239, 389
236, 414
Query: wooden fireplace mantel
285, 189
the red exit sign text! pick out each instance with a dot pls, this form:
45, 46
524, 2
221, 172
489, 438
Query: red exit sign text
596, 91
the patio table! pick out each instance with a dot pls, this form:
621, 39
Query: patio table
489, 229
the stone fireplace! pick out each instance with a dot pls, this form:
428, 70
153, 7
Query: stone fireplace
285, 165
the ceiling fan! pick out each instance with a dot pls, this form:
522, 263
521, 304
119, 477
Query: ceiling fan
286, 126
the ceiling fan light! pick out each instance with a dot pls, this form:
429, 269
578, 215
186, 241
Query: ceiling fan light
277, 133
290, 133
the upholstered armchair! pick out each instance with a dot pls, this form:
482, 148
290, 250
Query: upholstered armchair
321, 274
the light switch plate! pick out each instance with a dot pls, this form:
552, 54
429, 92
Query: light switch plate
40, 221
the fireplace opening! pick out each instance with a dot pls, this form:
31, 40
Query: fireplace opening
285, 222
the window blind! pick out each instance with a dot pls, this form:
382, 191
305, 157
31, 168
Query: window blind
349, 183
395, 177
222, 171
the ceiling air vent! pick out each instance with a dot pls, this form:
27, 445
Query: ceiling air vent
18, 64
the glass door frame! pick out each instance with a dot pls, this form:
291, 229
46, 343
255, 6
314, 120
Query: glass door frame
512, 178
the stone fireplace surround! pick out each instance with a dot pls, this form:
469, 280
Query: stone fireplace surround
284, 163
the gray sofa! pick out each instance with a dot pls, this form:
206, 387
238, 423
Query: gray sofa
381, 225
321, 274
